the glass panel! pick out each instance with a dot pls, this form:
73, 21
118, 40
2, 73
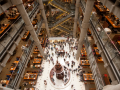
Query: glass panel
94, 19
116, 60
110, 48
1, 48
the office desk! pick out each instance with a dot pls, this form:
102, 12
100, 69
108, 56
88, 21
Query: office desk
83, 50
36, 50
40, 34
101, 9
85, 62
118, 42
100, 59
34, 22
113, 25
14, 67
95, 47
37, 66
1, 14
30, 76
13, 18
25, 36
31, 89
97, 53
4, 28
39, 56
32, 82
84, 54
37, 60
87, 77
5, 82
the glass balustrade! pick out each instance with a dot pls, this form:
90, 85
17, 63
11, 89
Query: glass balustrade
13, 31
110, 45
93, 65
23, 60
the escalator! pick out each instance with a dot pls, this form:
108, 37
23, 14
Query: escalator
60, 6
64, 29
59, 22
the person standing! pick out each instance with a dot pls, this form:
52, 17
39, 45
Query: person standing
71, 86
68, 64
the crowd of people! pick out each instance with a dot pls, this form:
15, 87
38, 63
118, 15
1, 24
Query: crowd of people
58, 49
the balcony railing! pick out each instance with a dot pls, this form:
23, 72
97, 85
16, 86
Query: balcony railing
24, 60
107, 44
15, 29
93, 65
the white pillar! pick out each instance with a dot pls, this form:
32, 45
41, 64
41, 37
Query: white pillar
29, 26
44, 16
76, 18
85, 25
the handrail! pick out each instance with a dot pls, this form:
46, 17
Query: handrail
94, 60
61, 20
108, 37
110, 61
26, 57
113, 66
13, 38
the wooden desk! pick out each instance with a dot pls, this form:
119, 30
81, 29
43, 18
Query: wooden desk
37, 60
36, 50
100, 59
118, 42
39, 56
97, 53
32, 82
102, 10
4, 28
84, 54
32, 89
85, 62
27, 76
40, 34
37, 66
83, 49
87, 77
5, 82
109, 20
13, 68
25, 36
34, 22
13, 18
1, 14
95, 47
